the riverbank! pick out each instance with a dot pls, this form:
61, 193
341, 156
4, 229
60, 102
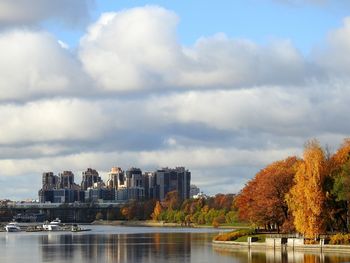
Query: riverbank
323, 248
151, 223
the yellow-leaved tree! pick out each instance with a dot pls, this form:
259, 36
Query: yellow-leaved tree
157, 211
306, 198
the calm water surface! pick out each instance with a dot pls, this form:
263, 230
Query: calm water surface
137, 244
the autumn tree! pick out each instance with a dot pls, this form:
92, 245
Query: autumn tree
262, 200
147, 208
172, 200
222, 201
341, 156
306, 198
131, 211
157, 211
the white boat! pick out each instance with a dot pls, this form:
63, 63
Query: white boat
12, 227
76, 228
54, 225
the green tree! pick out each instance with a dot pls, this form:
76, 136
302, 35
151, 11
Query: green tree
341, 190
231, 217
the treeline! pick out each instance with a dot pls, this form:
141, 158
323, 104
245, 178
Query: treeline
210, 211
309, 195
203, 211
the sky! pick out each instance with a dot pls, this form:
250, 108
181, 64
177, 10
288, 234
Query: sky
221, 87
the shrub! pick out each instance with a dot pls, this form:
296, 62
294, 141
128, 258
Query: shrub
311, 242
215, 224
220, 219
231, 236
340, 239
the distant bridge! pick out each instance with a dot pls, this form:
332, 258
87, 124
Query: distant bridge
76, 205
67, 212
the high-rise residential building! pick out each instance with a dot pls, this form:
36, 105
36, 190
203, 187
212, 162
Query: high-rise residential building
151, 185
98, 194
60, 189
89, 178
135, 184
49, 181
116, 178
134, 178
168, 180
66, 180
67, 195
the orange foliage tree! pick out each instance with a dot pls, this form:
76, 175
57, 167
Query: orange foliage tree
306, 198
157, 211
172, 200
341, 156
262, 200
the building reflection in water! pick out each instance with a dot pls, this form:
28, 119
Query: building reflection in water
150, 247
282, 256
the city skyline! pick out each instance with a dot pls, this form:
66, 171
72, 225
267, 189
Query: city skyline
132, 184
223, 88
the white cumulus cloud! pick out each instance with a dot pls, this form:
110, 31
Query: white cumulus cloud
34, 64
137, 49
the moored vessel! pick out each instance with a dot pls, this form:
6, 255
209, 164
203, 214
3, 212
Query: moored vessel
76, 228
12, 227
54, 225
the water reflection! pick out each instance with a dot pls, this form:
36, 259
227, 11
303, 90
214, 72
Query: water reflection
282, 256
137, 245
152, 247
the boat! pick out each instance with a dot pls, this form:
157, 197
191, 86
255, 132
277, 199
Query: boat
54, 225
76, 228
12, 227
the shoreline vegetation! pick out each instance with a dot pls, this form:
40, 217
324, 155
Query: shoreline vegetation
172, 211
152, 223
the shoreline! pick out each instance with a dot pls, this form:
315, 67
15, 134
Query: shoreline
239, 246
151, 223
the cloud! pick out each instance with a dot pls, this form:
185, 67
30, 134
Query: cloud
331, 55
234, 110
24, 12
137, 49
34, 64
49, 121
131, 49
235, 63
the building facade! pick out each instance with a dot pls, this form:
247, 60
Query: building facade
116, 178
168, 180
89, 178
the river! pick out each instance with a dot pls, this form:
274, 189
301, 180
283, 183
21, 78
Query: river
136, 245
